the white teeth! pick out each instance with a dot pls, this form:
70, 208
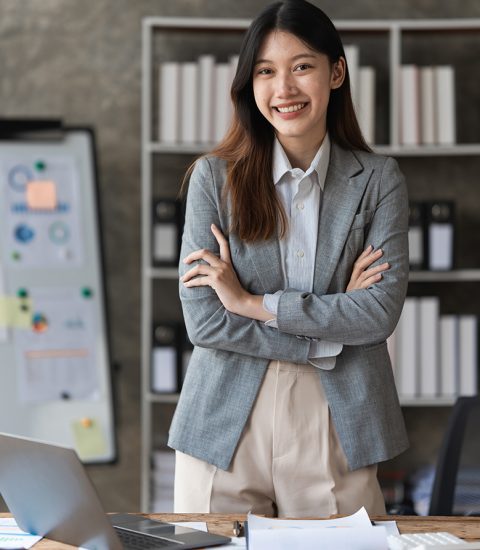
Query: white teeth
292, 108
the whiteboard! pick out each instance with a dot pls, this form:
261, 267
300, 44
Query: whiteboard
55, 375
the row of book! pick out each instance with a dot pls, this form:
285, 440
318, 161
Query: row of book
434, 355
427, 105
194, 103
431, 235
362, 85
167, 225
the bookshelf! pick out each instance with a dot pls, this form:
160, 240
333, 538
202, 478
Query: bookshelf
391, 33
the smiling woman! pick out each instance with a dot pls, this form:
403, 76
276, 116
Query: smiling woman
289, 401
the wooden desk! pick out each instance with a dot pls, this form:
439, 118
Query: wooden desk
467, 528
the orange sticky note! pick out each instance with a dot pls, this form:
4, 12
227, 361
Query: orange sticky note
41, 195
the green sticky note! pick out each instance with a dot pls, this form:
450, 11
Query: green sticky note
15, 312
89, 439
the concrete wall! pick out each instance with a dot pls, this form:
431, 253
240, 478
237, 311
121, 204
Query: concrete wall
80, 60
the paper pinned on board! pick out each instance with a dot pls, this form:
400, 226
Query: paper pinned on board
90, 441
14, 313
11, 536
41, 195
354, 532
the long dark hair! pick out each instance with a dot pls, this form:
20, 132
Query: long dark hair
256, 212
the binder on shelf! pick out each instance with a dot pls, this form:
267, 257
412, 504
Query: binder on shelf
468, 332
428, 346
169, 88
166, 232
406, 350
223, 104
409, 105
366, 103
440, 229
427, 106
417, 237
352, 55
449, 355
166, 346
206, 65
189, 104
445, 105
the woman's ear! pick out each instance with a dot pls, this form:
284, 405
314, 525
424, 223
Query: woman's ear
338, 73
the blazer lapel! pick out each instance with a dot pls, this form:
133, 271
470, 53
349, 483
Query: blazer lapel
344, 187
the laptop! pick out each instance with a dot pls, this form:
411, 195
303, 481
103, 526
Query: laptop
49, 493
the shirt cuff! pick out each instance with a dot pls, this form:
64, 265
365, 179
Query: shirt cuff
270, 304
324, 363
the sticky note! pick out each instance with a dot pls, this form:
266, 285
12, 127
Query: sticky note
41, 195
15, 312
89, 438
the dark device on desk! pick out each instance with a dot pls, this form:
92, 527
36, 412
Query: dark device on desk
49, 493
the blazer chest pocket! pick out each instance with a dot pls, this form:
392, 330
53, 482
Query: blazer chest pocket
362, 219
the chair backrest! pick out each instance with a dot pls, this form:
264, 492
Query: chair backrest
441, 503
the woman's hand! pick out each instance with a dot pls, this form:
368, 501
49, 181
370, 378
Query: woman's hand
218, 274
362, 277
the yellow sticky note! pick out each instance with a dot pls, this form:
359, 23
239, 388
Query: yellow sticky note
89, 438
41, 195
15, 312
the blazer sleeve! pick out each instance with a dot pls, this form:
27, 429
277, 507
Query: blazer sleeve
208, 323
369, 315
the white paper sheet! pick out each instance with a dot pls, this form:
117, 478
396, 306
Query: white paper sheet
330, 538
358, 519
353, 532
11, 536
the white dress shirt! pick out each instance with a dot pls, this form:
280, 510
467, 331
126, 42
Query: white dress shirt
301, 194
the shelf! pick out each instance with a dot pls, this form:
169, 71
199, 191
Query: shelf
162, 272
427, 401
460, 149
163, 397
444, 276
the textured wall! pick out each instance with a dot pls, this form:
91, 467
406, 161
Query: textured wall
80, 60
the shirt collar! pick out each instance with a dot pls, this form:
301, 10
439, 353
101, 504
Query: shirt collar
319, 164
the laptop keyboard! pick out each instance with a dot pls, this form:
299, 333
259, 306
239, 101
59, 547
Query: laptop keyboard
139, 541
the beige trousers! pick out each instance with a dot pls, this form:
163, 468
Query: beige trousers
288, 462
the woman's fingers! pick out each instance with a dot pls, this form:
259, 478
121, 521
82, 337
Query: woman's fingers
377, 269
203, 254
367, 259
222, 242
200, 269
371, 280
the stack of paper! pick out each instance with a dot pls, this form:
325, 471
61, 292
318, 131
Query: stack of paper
354, 532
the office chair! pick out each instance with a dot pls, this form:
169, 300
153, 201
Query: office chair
441, 503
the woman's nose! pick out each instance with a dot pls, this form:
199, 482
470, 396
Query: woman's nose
285, 85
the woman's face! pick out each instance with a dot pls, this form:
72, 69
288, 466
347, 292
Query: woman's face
291, 85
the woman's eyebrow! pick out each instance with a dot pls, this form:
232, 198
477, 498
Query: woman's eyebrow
294, 58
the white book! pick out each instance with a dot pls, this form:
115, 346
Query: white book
164, 369
449, 355
366, 103
189, 112
445, 105
406, 349
468, 354
409, 105
222, 113
206, 64
169, 111
427, 106
428, 358
352, 55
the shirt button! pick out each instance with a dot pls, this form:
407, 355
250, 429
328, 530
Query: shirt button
300, 253
300, 206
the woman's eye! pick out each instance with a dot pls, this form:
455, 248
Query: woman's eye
302, 67
264, 71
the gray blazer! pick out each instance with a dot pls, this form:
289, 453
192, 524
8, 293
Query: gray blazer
364, 202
